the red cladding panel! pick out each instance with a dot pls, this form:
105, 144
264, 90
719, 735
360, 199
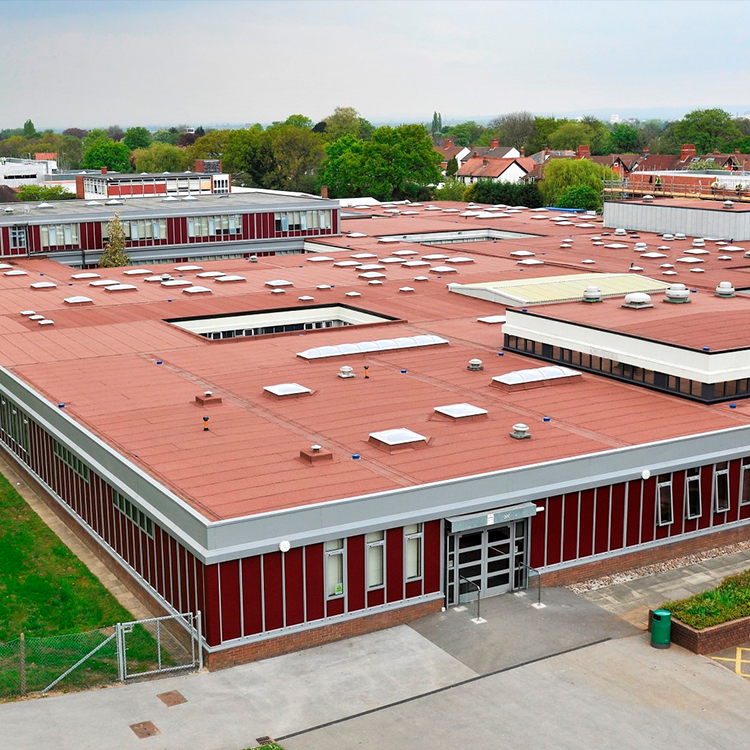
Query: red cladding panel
211, 611
394, 546
272, 589
601, 540
230, 600
355, 573
335, 607
707, 481
648, 521
634, 512
376, 597
433, 553
314, 581
251, 595
586, 533
537, 536
554, 529
413, 588
617, 521
293, 585
570, 537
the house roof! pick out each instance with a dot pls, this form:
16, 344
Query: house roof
484, 167
498, 152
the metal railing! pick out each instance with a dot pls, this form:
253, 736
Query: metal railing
538, 581
672, 187
477, 587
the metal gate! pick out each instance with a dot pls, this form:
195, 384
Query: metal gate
159, 645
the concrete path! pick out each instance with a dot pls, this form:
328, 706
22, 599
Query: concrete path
632, 600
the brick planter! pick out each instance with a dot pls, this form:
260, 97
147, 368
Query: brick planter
709, 640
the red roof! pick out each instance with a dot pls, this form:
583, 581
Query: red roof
483, 167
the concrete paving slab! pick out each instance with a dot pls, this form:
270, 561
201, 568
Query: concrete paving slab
619, 693
227, 710
516, 632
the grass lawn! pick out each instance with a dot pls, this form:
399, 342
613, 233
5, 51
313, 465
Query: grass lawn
730, 600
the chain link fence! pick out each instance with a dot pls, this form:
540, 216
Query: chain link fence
78, 661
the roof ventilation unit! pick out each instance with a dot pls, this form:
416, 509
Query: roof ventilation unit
637, 300
9, 209
207, 399
679, 236
648, 198
728, 204
725, 289
315, 454
45, 205
592, 294
346, 372
677, 293
620, 232
699, 242
520, 431
667, 237
475, 365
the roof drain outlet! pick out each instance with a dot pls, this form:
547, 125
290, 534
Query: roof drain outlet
475, 365
520, 431
725, 289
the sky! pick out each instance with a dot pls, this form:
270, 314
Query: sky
80, 63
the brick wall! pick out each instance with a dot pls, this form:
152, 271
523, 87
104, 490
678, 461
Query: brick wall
285, 644
637, 558
709, 640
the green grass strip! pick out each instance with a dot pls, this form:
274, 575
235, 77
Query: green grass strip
730, 600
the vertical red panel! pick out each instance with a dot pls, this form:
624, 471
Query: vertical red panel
376, 597
586, 531
183, 558
189, 604
634, 512
433, 552
151, 565
272, 590
649, 510
4, 241
252, 602
570, 539
355, 572
335, 221
229, 579
174, 589
201, 586
413, 588
554, 529
617, 520
602, 520
707, 504
35, 239
293, 588
160, 560
394, 547
335, 607
536, 536
211, 612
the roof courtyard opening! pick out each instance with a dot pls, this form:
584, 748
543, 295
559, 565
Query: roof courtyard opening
459, 236
279, 320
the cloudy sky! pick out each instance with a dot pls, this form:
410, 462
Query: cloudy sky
80, 63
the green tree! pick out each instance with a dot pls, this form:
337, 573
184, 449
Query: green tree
598, 134
580, 196
706, 128
513, 194
249, 156
741, 144
514, 129
29, 131
562, 174
452, 190
343, 121
437, 124
451, 168
297, 153
465, 133
12, 146
210, 146
702, 165
299, 121
624, 139
160, 157
70, 152
568, 136
137, 138
115, 132
114, 254
44, 193
104, 152
166, 136
543, 129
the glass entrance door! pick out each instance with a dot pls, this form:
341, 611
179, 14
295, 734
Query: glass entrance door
486, 562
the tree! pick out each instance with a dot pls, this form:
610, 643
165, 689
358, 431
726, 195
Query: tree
159, 157
137, 138
79, 133
248, 155
512, 194
29, 131
299, 121
465, 133
187, 139
580, 196
452, 190
114, 254
104, 152
346, 121
544, 127
166, 136
69, 152
437, 124
514, 129
44, 193
297, 152
562, 174
702, 165
568, 136
210, 146
624, 139
451, 168
598, 134
115, 132
200, 131
706, 128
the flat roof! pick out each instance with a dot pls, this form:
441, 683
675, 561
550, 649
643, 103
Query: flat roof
102, 210
100, 359
119, 176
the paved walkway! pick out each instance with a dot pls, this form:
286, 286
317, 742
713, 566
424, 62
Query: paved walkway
632, 600
70, 540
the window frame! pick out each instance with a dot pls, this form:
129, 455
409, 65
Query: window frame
329, 553
722, 473
371, 544
693, 479
136, 515
664, 481
71, 460
409, 538
745, 481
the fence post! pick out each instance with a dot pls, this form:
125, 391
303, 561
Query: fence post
120, 641
22, 656
199, 638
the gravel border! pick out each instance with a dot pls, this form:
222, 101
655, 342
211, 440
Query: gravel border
592, 584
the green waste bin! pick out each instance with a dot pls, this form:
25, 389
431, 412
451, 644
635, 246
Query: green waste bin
661, 628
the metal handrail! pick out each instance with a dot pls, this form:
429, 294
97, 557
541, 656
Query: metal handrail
538, 581
477, 587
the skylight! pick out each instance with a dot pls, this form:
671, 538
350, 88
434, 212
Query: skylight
398, 436
380, 345
461, 411
286, 389
537, 376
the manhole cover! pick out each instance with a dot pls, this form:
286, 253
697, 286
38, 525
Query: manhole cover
172, 698
144, 729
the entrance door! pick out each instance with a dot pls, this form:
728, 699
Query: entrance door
486, 562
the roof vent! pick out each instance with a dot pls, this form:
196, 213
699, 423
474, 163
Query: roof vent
728, 204
113, 202
668, 237
9, 209
207, 399
679, 236
592, 294
677, 293
345, 371
475, 365
637, 300
520, 431
620, 232
315, 454
45, 205
521, 380
725, 289
253, 259
648, 198
699, 242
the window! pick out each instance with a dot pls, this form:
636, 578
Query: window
664, 514
59, 235
17, 238
693, 493
413, 536
15, 425
214, 226
745, 482
375, 571
721, 487
134, 514
334, 552
71, 460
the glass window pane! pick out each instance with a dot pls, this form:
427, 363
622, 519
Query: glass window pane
414, 557
375, 566
334, 544
335, 575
